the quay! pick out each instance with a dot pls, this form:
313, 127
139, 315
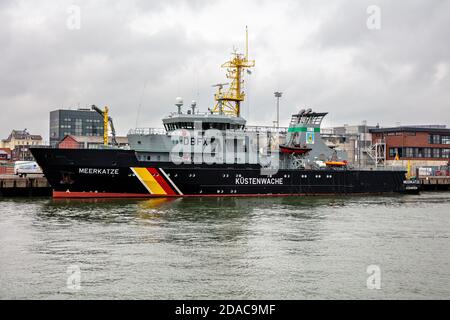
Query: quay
434, 183
34, 185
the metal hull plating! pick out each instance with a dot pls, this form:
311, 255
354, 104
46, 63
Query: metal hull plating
77, 173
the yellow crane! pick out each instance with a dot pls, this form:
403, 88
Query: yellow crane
107, 121
229, 102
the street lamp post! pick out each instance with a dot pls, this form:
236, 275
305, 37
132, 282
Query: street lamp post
278, 96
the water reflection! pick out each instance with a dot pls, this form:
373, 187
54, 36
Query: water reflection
291, 247
215, 219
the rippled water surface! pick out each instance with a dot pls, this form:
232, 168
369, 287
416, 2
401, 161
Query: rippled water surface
256, 248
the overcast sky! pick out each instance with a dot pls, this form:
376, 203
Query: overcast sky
320, 54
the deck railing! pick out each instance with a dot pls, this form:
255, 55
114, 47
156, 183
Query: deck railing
256, 129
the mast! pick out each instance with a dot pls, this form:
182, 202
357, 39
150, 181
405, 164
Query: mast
230, 101
105, 126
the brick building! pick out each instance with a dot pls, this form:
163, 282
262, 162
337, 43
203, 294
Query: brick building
422, 145
84, 142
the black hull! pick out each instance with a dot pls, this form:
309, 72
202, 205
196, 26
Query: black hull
86, 173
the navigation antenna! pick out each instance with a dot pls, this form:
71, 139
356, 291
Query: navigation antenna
230, 101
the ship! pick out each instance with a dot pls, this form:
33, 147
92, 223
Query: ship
214, 153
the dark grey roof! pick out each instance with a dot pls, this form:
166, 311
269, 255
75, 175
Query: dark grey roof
22, 134
436, 130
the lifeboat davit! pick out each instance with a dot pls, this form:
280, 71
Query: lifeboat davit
294, 149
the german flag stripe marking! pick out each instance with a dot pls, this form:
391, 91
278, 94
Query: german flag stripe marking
159, 178
149, 181
171, 182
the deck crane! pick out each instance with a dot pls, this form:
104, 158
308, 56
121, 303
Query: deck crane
106, 120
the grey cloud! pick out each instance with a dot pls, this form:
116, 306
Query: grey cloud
342, 67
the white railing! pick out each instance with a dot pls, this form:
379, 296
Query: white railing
377, 152
147, 131
256, 129
265, 129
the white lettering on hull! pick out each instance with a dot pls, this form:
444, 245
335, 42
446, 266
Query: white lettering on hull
258, 181
98, 171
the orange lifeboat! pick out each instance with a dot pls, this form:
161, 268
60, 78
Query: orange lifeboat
336, 163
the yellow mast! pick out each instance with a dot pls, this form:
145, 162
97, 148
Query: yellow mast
105, 126
408, 170
230, 102
246, 42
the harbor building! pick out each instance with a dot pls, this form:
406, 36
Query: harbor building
89, 142
19, 142
354, 140
78, 122
420, 145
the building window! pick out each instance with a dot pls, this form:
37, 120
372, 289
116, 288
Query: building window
435, 139
446, 153
393, 152
445, 139
427, 152
418, 152
409, 152
436, 153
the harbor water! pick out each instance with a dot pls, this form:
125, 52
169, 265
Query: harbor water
376, 247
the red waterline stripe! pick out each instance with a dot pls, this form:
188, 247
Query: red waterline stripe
63, 194
162, 182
